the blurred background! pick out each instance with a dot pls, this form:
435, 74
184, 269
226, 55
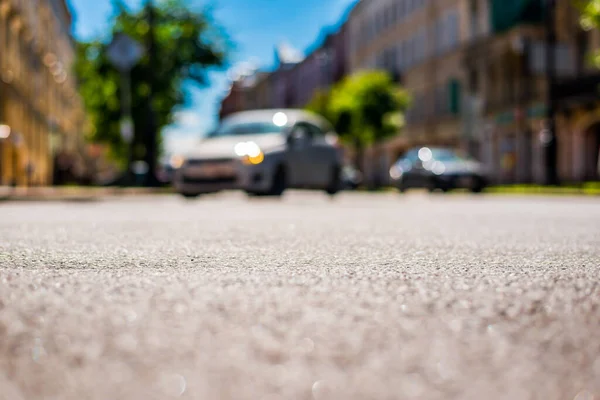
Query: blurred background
107, 92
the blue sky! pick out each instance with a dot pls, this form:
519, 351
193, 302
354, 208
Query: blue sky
255, 26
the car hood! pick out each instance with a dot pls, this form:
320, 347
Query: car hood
223, 147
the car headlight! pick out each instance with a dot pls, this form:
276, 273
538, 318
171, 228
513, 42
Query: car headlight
250, 153
177, 161
396, 172
438, 168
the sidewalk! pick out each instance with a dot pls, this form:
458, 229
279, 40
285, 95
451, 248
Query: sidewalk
73, 193
584, 189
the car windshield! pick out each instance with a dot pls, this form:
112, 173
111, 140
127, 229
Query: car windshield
446, 155
247, 128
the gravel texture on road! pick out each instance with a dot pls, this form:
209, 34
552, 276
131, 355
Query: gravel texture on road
366, 296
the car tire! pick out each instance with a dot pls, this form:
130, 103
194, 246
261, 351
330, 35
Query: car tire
478, 187
279, 183
432, 187
335, 184
190, 196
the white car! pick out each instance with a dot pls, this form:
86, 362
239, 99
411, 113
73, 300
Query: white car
263, 152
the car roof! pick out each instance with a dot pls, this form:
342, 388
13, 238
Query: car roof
433, 148
294, 116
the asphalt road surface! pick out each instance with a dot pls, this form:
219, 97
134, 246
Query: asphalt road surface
367, 296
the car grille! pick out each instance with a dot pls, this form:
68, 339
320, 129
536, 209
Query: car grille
210, 181
193, 163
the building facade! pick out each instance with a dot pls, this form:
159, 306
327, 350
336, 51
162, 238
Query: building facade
578, 106
419, 42
324, 66
476, 70
295, 78
40, 111
506, 97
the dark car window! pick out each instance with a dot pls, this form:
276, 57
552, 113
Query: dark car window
302, 130
310, 131
247, 128
314, 131
412, 156
445, 155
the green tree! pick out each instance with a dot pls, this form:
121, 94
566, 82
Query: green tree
181, 45
590, 19
364, 108
320, 104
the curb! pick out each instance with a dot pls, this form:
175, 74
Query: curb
74, 194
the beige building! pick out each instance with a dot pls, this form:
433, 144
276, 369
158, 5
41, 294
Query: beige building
40, 110
507, 79
418, 42
476, 71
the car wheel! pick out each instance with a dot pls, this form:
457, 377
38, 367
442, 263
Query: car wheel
279, 183
478, 186
334, 186
432, 187
190, 196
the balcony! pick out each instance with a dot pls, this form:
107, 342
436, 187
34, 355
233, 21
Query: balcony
578, 91
507, 14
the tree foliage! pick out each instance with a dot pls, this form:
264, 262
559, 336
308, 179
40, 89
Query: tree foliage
186, 44
364, 108
590, 19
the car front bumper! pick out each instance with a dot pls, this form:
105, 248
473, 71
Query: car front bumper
256, 178
192, 179
251, 178
461, 181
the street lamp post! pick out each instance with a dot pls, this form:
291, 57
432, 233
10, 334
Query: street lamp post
124, 53
4, 135
550, 142
151, 142
17, 140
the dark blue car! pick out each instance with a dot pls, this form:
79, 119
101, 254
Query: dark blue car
437, 169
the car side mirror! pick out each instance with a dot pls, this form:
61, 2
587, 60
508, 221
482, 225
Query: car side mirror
290, 139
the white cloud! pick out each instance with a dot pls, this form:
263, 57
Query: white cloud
243, 68
188, 119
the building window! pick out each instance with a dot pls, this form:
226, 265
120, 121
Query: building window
5, 40
390, 17
473, 81
420, 45
453, 27
447, 32
373, 28
398, 9
441, 97
474, 15
381, 21
408, 52
404, 8
439, 36
390, 60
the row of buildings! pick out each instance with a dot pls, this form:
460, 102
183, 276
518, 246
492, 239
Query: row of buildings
477, 73
42, 116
